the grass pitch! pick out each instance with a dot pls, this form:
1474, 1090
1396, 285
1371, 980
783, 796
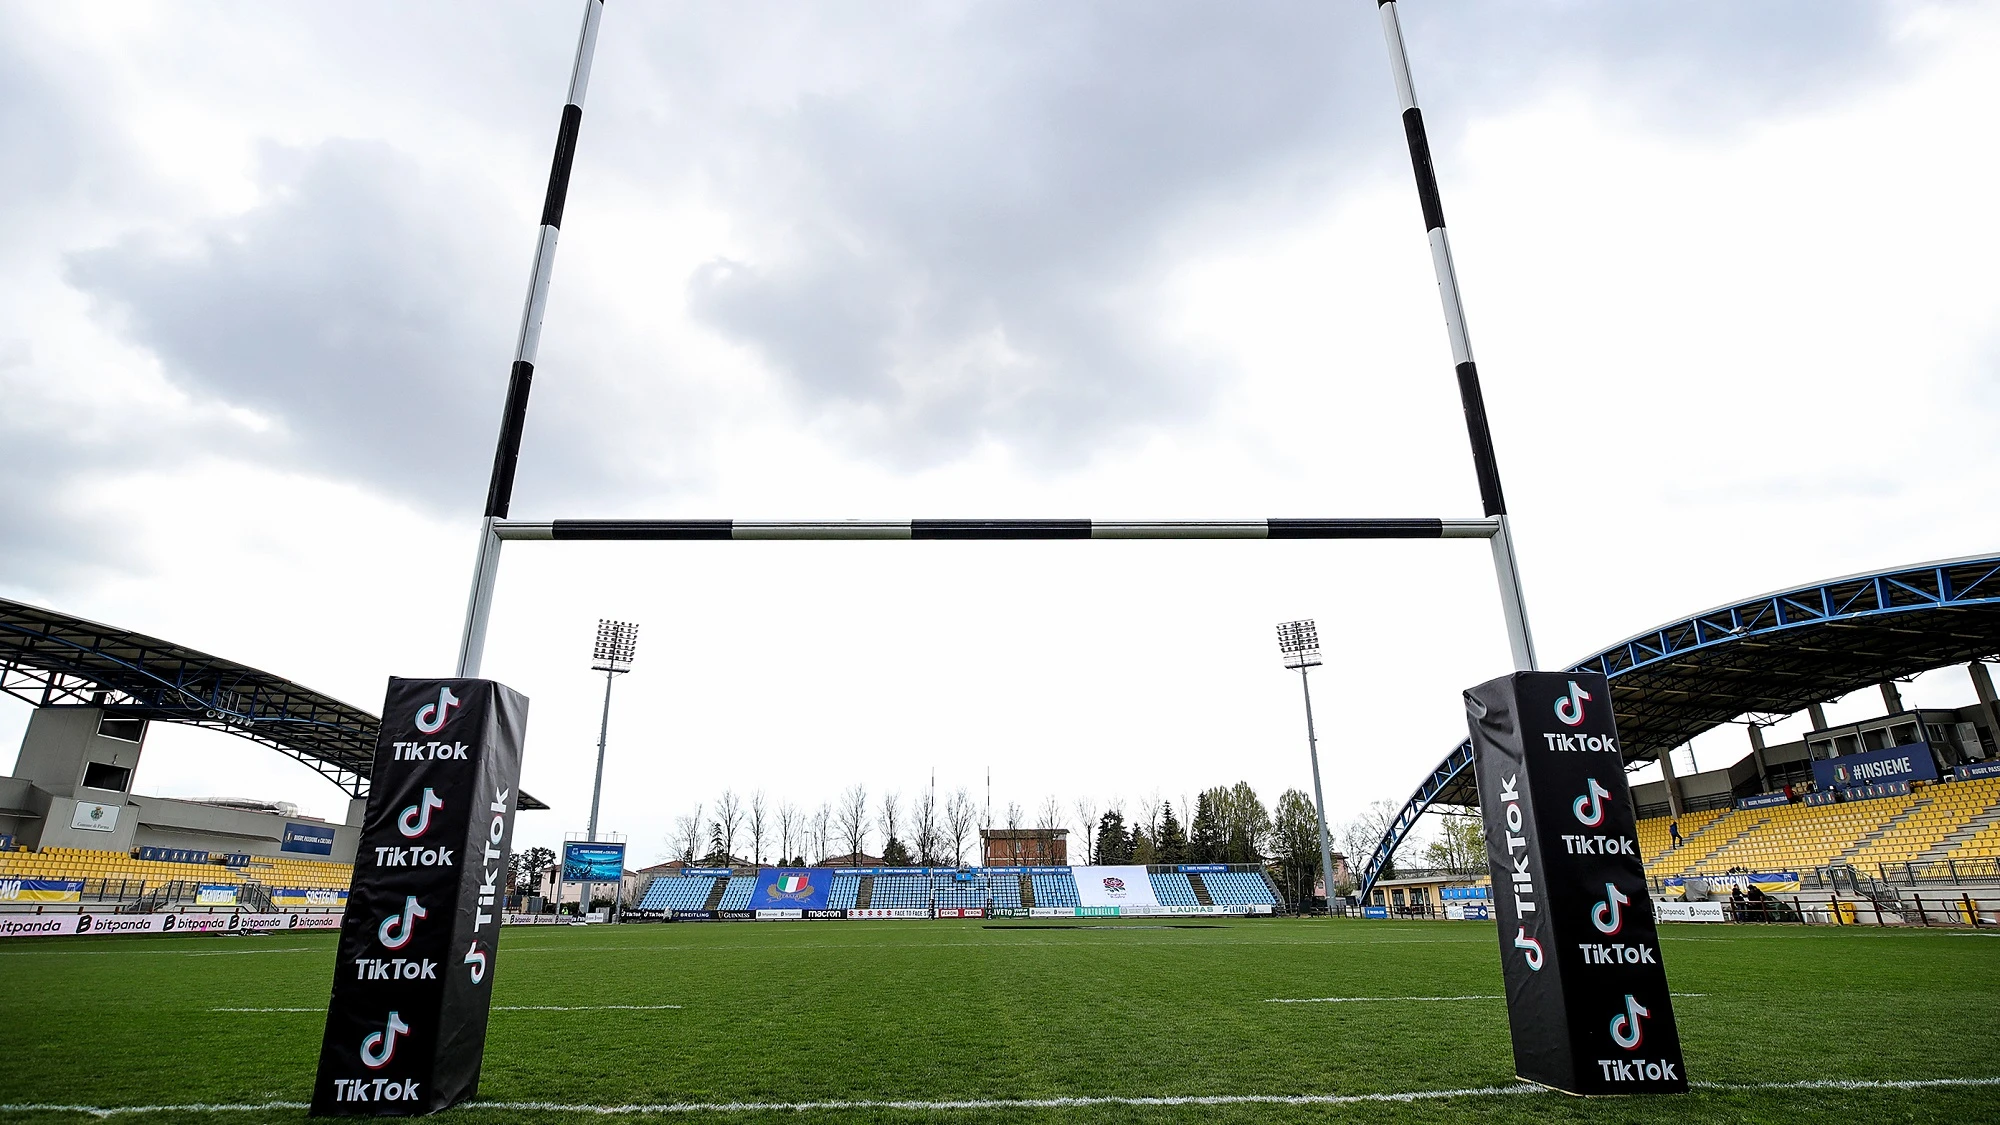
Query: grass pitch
933, 1012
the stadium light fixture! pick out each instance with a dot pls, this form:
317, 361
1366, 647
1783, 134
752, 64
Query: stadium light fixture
1298, 643
1298, 646
617, 641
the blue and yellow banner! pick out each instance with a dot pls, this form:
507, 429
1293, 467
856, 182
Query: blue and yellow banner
309, 897
41, 890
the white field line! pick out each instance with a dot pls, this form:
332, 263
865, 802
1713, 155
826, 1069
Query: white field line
1401, 999
1844, 1084
507, 1008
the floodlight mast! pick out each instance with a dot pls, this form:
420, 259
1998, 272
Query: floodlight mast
1513, 603
1298, 646
616, 643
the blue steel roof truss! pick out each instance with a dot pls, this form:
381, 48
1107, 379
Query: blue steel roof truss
1769, 655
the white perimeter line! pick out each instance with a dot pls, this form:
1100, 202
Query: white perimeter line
1399, 999
1026, 1103
506, 1008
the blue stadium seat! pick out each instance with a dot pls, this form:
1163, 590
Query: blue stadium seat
677, 892
901, 892
1005, 886
737, 895
1055, 890
841, 895
1239, 888
1173, 889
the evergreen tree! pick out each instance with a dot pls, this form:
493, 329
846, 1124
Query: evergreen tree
1295, 839
1172, 846
894, 854
1205, 843
1114, 844
1142, 846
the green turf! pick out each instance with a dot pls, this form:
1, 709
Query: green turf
950, 1010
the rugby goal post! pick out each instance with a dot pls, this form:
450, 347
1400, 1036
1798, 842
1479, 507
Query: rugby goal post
497, 529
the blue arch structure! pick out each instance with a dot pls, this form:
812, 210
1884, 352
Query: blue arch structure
51, 659
1773, 654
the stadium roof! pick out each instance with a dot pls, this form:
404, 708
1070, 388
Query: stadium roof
1766, 656
51, 659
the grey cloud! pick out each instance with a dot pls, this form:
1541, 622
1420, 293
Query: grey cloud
352, 308
966, 244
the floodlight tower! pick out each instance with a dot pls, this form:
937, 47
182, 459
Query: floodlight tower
616, 641
1298, 645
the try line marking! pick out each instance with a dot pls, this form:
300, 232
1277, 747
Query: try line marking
507, 1008
1012, 1103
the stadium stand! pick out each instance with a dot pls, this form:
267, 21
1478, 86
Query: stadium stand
81, 863
1239, 888
949, 891
677, 892
901, 892
1005, 887
846, 888
1055, 890
1173, 889
736, 896
1932, 823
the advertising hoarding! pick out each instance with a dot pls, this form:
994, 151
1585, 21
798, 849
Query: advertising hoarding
791, 888
1587, 998
1896, 765
413, 976
307, 839
215, 894
593, 862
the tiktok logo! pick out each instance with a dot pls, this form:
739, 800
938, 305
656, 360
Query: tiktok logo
403, 925
1625, 1025
416, 819
1569, 709
476, 959
1589, 808
1605, 914
1531, 950
432, 717
380, 1047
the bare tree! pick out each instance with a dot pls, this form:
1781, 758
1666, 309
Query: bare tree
729, 820
925, 815
1086, 811
959, 815
852, 819
759, 827
1014, 831
789, 826
1047, 821
686, 840
892, 811
822, 826
1359, 837
1149, 813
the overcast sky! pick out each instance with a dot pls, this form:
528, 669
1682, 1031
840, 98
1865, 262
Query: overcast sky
1727, 270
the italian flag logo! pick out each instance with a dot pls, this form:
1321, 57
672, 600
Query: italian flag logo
791, 887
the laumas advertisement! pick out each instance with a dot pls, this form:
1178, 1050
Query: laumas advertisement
413, 979
1587, 998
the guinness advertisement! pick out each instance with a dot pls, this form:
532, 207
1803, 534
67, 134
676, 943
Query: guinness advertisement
406, 1026
1587, 997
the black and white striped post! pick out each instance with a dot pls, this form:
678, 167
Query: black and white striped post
1512, 602
500, 489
